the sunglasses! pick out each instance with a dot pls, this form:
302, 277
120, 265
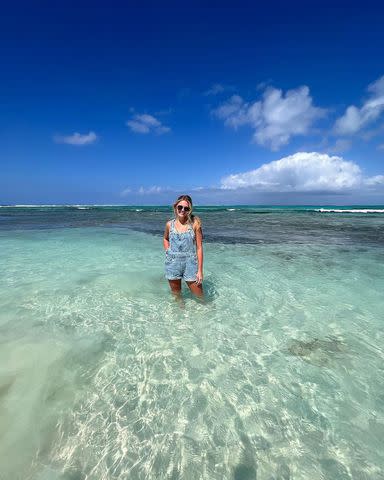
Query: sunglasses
181, 207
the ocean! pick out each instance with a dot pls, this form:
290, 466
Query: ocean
277, 374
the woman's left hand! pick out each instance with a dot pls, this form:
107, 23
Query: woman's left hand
199, 278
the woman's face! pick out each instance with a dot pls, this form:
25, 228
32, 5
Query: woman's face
183, 209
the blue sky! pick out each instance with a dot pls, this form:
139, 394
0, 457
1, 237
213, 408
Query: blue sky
136, 102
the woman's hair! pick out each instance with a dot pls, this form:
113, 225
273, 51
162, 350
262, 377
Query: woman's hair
192, 219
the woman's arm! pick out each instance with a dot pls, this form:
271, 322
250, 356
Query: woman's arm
166, 236
199, 251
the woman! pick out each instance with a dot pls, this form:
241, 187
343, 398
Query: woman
183, 248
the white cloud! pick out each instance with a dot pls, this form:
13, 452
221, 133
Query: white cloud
143, 191
76, 139
138, 127
303, 172
234, 112
144, 123
162, 129
126, 191
354, 119
148, 120
263, 85
275, 118
376, 180
215, 89
218, 88
151, 190
380, 147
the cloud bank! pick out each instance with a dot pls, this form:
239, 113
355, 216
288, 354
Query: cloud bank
304, 172
77, 139
355, 119
144, 123
276, 118
302, 178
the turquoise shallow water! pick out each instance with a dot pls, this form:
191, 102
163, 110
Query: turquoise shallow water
279, 374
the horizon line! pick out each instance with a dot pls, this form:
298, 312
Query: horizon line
195, 205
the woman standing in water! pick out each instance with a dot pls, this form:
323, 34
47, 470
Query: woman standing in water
183, 243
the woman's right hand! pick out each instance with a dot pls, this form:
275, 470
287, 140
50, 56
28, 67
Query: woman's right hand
199, 278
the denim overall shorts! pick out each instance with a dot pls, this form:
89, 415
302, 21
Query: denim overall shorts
180, 257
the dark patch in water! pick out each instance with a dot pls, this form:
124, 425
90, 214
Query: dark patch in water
247, 468
284, 256
74, 474
6, 386
244, 472
317, 351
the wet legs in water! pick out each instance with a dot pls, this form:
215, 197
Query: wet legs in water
175, 288
196, 289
